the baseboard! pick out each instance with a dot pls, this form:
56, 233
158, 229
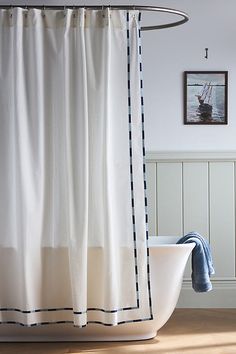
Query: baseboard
223, 295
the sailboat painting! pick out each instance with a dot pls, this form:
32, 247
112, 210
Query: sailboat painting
205, 97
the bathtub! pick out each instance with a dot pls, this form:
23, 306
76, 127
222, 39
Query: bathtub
167, 262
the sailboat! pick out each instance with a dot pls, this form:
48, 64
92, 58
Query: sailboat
204, 99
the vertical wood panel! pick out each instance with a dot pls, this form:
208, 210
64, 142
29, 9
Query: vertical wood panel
195, 184
169, 198
195, 199
151, 197
222, 217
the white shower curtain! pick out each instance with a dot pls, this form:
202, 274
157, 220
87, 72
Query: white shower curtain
73, 234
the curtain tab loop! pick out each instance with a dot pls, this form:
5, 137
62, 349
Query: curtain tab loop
11, 11
103, 14
134, 15
109, 11
26, 13
74, 13
43, 11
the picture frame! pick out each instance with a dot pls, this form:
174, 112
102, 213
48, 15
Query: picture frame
206, 97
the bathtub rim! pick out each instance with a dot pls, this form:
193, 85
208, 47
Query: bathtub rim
168, 242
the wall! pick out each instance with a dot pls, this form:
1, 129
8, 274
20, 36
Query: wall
170, 52
166, 54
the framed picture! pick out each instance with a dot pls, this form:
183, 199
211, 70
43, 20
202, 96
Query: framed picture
205, 97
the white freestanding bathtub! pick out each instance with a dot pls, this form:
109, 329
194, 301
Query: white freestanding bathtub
167, 262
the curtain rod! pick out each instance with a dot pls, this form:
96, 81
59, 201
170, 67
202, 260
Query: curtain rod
183, 15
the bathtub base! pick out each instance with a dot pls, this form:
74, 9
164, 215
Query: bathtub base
68, 333
124, 338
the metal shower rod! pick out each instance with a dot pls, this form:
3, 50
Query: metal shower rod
184, 17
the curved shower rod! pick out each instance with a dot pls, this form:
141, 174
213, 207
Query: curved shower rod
183, 15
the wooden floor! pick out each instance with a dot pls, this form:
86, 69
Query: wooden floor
189, 331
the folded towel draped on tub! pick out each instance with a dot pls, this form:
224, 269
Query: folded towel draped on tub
202, 267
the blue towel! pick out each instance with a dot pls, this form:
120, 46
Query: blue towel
202, 267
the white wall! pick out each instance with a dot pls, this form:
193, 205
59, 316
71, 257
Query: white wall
170, 52
166, 54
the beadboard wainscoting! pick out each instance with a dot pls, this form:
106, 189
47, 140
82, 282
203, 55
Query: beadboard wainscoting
190, 191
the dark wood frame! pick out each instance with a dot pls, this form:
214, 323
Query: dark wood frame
225, 103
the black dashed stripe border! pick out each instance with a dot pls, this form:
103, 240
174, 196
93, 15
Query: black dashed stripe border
7, 309
38, 324
131, 157
133, 218
144, 162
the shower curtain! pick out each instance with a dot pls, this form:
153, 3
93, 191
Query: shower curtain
73, 221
